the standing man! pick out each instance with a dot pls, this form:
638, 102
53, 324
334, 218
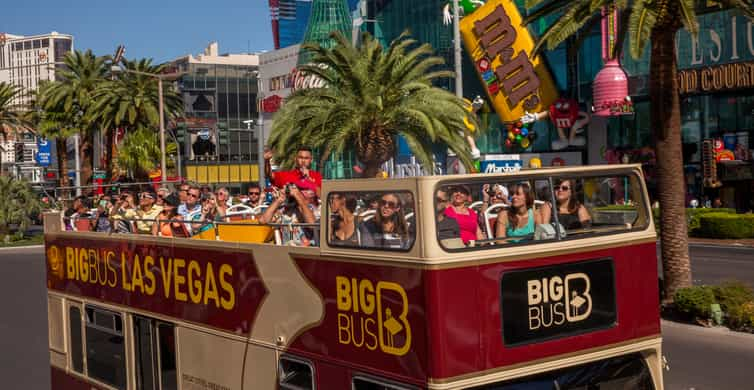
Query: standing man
303, 177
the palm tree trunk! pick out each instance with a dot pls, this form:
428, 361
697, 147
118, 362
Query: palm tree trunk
62, 150
666, 117
86, 158
110, 148
371, 169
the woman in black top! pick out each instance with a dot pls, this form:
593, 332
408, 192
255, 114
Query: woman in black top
388, 228
343, 221
571, 213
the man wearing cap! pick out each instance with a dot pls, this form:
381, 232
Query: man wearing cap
147, 212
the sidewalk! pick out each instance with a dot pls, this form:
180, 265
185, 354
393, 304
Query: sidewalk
744, 242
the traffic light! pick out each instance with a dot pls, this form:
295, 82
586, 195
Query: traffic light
19, 152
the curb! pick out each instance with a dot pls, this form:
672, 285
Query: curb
719, 330
36, 246
735, 245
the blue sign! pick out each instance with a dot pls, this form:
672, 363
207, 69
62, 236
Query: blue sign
43, 152
501, 164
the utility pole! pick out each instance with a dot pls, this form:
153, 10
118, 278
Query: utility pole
457, 48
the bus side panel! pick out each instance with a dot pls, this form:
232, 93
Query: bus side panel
375, 319
260, 371
60, 380
636, 305
56, 321
209, 360
331, 376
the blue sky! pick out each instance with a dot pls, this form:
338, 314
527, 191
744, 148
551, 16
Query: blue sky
160, 29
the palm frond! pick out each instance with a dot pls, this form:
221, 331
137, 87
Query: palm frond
640, 25
688, 16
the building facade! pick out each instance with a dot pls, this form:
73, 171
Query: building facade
26, 61
216, 138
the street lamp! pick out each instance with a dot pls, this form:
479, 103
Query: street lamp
159, 77
260, 122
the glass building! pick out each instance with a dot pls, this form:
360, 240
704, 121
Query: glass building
217, 141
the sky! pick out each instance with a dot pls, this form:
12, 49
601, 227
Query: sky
158, 29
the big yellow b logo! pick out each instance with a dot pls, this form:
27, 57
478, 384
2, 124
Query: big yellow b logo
391, 324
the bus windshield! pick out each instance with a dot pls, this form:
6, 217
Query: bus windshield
489, 213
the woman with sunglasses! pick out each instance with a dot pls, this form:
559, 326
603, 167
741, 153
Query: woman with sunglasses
460, 211
520, 220
222, 201
388, 228
571, 213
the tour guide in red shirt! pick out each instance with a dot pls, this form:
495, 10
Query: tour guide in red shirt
303, 177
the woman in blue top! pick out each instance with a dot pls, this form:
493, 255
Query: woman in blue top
520, 219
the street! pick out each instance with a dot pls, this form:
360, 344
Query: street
699, 358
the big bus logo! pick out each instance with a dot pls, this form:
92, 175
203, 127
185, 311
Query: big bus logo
372, 316
55, 261
554, 301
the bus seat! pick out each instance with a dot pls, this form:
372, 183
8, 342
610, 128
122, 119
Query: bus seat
247, 231
490, 217
208, 234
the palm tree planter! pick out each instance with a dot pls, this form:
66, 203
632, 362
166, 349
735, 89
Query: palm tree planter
655, 22
371, 96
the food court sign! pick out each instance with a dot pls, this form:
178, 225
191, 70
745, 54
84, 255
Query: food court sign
501, 48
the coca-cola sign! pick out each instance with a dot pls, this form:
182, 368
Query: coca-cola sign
303, 80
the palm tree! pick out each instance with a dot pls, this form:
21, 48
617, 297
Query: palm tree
131, 101
69, 99
652, 22
11, 117
139, 153
371, 96
17, 204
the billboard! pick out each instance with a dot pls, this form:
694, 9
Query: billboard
501, 50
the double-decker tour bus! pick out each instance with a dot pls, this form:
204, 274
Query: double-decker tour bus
541, 279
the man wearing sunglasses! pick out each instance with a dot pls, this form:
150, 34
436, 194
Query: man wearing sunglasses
254, 194
192, 205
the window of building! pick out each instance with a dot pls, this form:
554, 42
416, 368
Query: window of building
18, 46
105, 347
295, 374
62, 47
45, 42
77, 344
37, 43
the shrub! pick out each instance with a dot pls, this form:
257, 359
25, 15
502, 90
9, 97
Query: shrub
722, 225
737, 301
695, 301
692, 218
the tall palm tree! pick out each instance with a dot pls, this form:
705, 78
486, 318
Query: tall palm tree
370, 96
131, 101
653, 22
11, 117
139, 153
69, 99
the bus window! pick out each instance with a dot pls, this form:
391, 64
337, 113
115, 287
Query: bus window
294, 374
155, 354
489, 213
597, 205
624, 372
362, 383
105, 349
373, 220
77, 343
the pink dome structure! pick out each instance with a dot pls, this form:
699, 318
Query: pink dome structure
610, 91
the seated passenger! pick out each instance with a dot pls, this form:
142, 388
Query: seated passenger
388, 228
167, 221
520, 219
293, 206
447, 228
466, 217
206, 218
571, 213
343, 220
